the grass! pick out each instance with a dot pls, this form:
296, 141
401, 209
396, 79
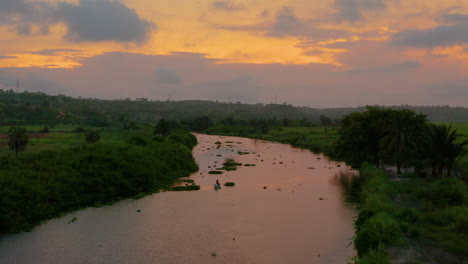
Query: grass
428, 213
64, 137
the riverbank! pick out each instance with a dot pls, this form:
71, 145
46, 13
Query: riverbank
398, 220
410, 220
38, 186
281, 208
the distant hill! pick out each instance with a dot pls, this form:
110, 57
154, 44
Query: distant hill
38, 108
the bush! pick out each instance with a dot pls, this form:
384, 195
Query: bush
446, 192
79, 130
192, 187
229, 184
137, 141
374, 256
45, 129
449, 227
39, 186
379, 230
92, 136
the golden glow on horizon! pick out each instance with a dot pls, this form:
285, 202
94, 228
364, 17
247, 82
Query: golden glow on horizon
187, 26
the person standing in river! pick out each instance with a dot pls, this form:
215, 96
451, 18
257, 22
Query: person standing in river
217, 186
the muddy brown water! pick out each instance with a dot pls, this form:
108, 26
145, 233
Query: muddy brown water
299, 218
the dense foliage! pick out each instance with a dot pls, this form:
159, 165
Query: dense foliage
430, 212
38, 109
38, 186
379, 134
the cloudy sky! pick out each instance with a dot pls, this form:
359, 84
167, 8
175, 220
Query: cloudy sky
327, 53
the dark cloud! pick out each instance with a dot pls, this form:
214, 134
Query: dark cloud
98, 20
168, 76
286, 23
20, 15
351, 10
454, 32
227, 6
387, 69
88, 20
52, 52
23, 29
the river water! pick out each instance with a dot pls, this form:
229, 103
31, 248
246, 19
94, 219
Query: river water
299, 218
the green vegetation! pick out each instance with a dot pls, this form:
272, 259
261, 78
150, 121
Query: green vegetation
191, 187
40, 109
92, 136
231, 163
229, 184
426, 209
131, 157
376, 226
426, 212
313, 138
17, 139
227, 168
44, 184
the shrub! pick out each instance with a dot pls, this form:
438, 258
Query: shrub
79, 130
92, 136
39, 186
137, 141
192, 187
374, 256
380, 229
446, 192
229, 184
45, 129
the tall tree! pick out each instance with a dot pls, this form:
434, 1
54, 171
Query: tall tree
400, 133
162, 128
325, 121
17, 139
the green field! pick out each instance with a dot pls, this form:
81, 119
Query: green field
64, 137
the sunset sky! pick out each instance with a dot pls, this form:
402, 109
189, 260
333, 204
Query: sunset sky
317, 53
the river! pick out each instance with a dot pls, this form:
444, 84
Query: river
286, 209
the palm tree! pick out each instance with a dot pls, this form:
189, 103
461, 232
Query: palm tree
18, 139
454, 151
433, 146
400, 134
443, 149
